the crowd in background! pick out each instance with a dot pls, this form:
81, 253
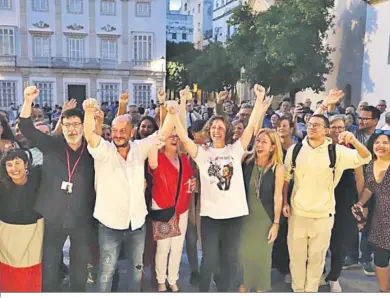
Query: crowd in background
240, 179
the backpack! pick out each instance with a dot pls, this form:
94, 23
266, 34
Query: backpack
331, 152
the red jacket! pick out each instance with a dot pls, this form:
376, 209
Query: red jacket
165, 180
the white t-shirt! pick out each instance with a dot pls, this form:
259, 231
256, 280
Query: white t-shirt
222, 182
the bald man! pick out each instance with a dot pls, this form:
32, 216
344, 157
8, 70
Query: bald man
120, 200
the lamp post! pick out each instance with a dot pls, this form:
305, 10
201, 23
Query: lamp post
242, 78
163, 73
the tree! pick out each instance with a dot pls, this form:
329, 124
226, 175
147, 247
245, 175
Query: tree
179, 55
284, 46
212, 70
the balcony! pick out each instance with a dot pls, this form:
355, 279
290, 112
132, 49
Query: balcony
7, 61
142, 64
42, 61
88, 63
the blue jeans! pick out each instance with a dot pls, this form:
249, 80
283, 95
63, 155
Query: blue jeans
110, 243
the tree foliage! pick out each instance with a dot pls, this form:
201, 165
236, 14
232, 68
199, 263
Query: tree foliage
284, 46
212, 69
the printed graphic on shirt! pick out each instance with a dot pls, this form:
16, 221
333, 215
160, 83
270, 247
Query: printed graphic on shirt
220, 171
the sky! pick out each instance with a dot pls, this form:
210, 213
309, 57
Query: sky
175, 4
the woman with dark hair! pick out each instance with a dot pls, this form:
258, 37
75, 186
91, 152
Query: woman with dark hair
223, 200
6, 136
146, 127
351, 121
21, 227
377, 177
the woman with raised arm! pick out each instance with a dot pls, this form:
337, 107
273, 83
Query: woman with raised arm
223, 201
21, 227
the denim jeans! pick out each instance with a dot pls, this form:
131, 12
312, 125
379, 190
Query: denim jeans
220, 242
192, 246
110, 242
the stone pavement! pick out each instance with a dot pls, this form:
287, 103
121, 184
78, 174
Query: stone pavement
352, 281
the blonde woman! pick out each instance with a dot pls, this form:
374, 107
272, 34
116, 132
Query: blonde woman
264, 177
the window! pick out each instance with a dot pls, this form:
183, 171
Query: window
7, 41
142, 49
142, 94
109, 49
228, 31
185, 6
41, 47
174, 36
108, 7
199, 8
46, 91
388, 55
5, 4
40, 5
142, 9
223, 2
109, 92
75, 6
199, 27
7, 93
75, 49
184, 36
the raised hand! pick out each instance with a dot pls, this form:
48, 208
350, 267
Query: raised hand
334, 96
159, 141
31, 93
222, 96
99, 115
161, 95
124, 98
259, 91
186, 94
347, 137
71, 104
172, 107
266, 103
90, 105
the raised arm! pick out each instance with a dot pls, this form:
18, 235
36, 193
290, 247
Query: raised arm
188, 144
123, 101
90, 107
333, 97
260, 108
221, 97
163, 110
30, 94
185, 96
99, 121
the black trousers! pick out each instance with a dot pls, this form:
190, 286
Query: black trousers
53, 243
280, 255
220, 242
343, 235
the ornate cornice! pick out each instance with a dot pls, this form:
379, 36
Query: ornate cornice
108, 28
41, 25
75, 27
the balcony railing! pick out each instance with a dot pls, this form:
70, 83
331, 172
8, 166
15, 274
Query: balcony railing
141, 64
42, 61
7, 60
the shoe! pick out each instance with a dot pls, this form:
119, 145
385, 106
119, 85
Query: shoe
174, 288
287, 278
323, 281
350, 263
162, 287
91, 274
194, 279
335, 286
368, 268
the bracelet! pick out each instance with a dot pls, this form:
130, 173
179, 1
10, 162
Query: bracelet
323, 107
276, 223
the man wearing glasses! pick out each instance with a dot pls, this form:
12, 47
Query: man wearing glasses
367, 121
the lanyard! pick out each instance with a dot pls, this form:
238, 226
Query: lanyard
70, 173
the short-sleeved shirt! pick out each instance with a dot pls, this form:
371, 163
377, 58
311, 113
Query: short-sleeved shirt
222, 182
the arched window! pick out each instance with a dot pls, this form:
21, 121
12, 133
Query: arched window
348, 95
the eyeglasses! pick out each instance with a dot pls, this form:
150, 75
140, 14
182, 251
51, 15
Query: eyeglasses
382, 132
337, 128
364, 119
314, 125
69, 125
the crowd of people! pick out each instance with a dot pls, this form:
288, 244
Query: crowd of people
258, 188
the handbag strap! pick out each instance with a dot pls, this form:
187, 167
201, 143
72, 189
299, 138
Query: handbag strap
179, 180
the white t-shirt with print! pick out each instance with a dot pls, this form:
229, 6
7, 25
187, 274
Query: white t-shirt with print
222, 182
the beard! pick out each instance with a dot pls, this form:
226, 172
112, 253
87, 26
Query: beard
124, 145
73, 140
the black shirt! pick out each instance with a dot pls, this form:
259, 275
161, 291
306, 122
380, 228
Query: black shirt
17, 201
56, 205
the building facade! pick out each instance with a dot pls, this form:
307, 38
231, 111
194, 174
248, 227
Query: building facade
180, 27
376, 62
202, 12
82, 48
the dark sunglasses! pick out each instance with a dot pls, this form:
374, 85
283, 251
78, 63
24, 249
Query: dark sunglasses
382, 132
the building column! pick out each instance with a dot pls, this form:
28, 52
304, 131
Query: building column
92, 30
58, 35
94, 87
60, 89
125, 32
24, 60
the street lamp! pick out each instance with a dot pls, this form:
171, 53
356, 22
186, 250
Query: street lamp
162, 61
242, 77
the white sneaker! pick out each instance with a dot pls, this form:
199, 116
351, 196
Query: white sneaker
323, 281
335, 287
287, 278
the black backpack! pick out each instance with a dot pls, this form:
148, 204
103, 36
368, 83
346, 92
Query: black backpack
331, 151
